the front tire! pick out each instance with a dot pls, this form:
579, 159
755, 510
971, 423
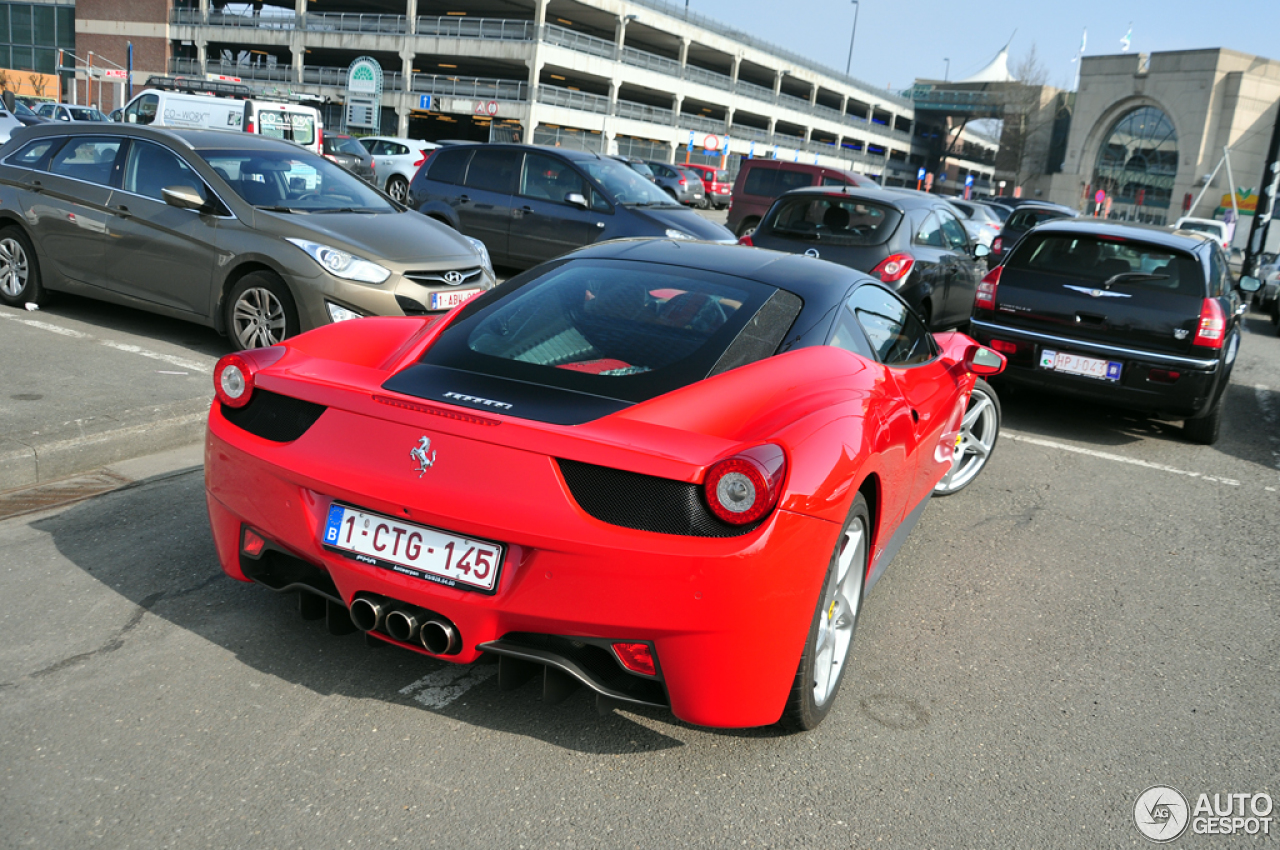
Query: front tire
979, 430
260, 311
398, 188
747, 227
19, 271
835, 621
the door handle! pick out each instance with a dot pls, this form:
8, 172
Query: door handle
123, 211
464, 199
915, 415
523, 211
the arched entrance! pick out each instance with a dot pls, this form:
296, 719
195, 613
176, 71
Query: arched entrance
1136, 166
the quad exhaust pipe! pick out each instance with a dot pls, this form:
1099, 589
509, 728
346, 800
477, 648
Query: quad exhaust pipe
406, 623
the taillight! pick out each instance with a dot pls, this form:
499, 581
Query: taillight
421, 159
1212, 328
743, 488
252, 543
894, 267
248, 127
997, 245
636, 657
233, 376
1163, 376
320, 137
745, 239
1003, 346
985, 296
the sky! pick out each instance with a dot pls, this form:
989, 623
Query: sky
900, 40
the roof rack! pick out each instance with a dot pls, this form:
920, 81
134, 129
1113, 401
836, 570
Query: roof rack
197, 85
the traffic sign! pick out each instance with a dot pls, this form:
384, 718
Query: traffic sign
968, 180
920, 173
942, 177
116, 74
691, 134
1099, 196
424, 101
711, 144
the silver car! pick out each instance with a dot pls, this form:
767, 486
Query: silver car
256, 237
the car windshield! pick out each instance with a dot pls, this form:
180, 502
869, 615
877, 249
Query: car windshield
1095, 261
836, 220
20, 108
298, 182
624, 185
85, 113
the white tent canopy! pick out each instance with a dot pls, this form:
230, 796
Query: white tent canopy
997, 71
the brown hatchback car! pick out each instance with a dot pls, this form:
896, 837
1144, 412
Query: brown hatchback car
256, 237
761, 181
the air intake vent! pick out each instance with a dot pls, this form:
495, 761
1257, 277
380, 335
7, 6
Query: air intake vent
644, 502
274, 417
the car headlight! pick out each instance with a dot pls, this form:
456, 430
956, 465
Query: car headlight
485, 262
672, 233
338, 313
343, 264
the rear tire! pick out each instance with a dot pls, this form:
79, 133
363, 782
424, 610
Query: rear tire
747, 227
19, 270
1205, 429
260, 311
398, 188
834, 624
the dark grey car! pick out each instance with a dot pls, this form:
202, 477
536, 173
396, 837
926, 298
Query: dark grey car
351, 155
256, 237
685, 187
530, 203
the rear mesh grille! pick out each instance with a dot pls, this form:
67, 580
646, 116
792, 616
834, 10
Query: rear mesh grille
275, 417
644, 502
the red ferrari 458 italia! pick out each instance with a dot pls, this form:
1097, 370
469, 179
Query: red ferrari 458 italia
665, 470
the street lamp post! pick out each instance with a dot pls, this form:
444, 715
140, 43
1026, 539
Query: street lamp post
849, 64
946, 75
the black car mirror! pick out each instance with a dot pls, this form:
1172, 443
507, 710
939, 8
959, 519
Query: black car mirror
10, 101
576, 199
981, 251
1249, 283
184, 197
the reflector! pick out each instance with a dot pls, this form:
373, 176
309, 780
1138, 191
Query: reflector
636, 657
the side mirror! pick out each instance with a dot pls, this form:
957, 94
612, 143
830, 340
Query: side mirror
576, 199
1249, 283
10, 101
980, 251
184, 197
982, 361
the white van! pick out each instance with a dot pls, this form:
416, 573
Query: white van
292, 122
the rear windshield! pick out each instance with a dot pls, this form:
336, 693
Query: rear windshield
618, 329
834, 220
1212, 228
298, 127
1027, 219
1095, 261
344, 144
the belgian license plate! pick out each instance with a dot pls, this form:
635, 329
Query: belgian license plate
412, 550
449, 300
1074, 364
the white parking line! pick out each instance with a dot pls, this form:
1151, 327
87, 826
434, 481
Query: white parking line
1036, 441
171, 359
444, 686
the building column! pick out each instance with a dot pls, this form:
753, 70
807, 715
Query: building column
733, 73
684, 55
777, 83
411, 17
677, 101
202, 56
406, 97
298, 38
813, 95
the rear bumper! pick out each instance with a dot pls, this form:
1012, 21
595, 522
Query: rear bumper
1190, 396
727, 617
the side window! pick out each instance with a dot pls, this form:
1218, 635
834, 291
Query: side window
448, 165
953, 231
847, 334
549, 178
89, 158
396, 149
142, 110
1217, 268
493, 171
149, 168
828, 180
930, 233
34, 153
896, 335
662, 170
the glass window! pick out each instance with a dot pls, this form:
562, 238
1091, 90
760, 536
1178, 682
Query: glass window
396, 149
953, 231
88, 158
42, 25
34, 153
4, 22
23, 59
1138, 161
150, 168
298, 127
1093, 261
66, 18
834, 220
494, 171
1217, 273
896, 335
930, 233
46, 59
448, 165
20, 23
621, 185
142, 110
550, 179
294, 182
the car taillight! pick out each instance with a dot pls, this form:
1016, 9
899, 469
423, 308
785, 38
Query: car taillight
233, 376
985, 296
997, 245
421, 159
1003, 346
894, 267
745, 239
743, 488
683, 182
636, 657
1211, 330
320, 137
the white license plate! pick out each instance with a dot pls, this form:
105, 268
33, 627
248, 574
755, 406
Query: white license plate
449, 300
1074, 364
413, 550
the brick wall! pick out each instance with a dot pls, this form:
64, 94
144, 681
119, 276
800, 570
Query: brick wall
106, 28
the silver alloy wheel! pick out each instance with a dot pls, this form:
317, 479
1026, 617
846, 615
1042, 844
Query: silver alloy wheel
398, 189
14, 268
840, 604
978, 432
258, 318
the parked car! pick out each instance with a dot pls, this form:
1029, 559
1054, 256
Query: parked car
1213, 227
1022, 219
1121, 314
981, 222
9, 118
25, 114
760, 181
222, 229
600, 475
678, 183
636, 164
529, 203
68, 112
351, 155
396, 160
1000, 210
716, 185
911, 241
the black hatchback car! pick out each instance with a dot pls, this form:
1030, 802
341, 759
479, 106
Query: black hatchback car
911, 241
1127, 315
1024, 217
529, 203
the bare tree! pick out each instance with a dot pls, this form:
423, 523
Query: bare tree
38, 83
1029, 114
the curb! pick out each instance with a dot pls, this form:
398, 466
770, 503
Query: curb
86, 445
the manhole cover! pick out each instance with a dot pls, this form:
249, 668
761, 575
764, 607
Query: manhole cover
59, 492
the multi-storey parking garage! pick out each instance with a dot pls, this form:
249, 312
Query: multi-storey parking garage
640, 77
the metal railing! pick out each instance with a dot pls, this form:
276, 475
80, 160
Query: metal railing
275, 74
827, 112
487, 28
579, 41
568, 137
285, 21
354, 22
651, 61
644, 112
797, 103
754, 91
317, 76
478, 88
740, 131
708, 78
698, 122
556, 96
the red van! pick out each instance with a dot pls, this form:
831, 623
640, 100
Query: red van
761, 181
715, 181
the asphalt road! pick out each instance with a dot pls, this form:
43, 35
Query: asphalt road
1098, 613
